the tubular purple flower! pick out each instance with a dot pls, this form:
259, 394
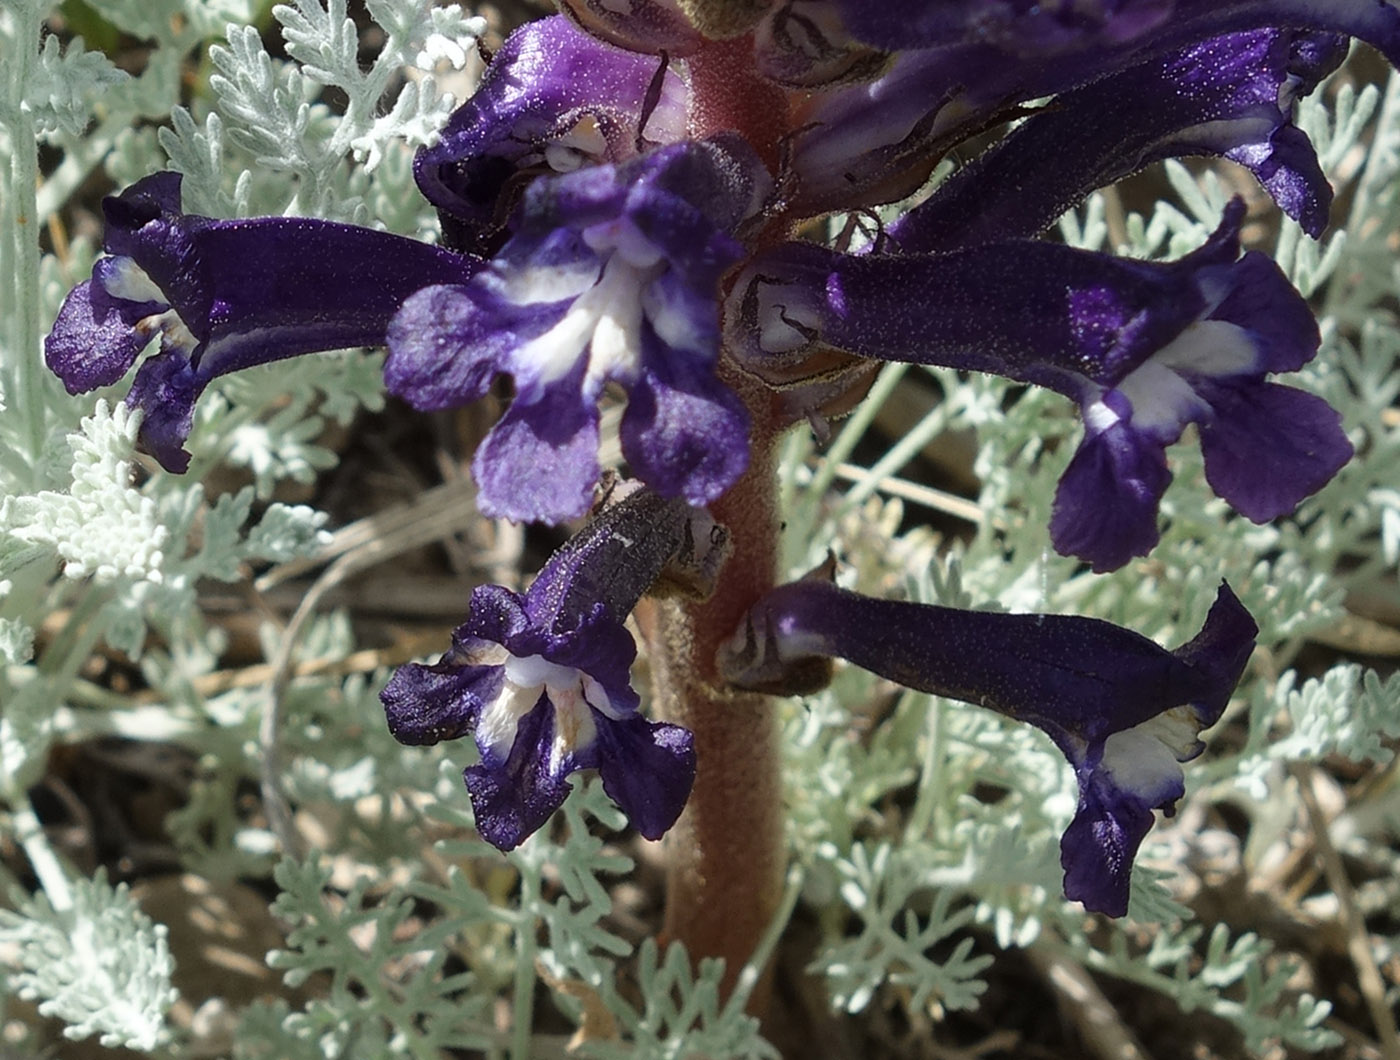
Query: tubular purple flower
612, 275
1035, 29
872, 143
540, 681
1124, 712
553, 100
225, 295
1144, 348
1230, 96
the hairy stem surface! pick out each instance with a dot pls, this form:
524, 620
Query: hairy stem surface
725, 856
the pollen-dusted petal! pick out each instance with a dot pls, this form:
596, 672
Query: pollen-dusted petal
92, 343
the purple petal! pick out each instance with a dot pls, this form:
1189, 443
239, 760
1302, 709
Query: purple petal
543, 681
92, 344
1253, 294
1267, 446
684, 432
648, 769
612, 276
428, 704
1078, 679
512, 799
548, 87
445, 344
1105, 510
539, 463
1230, 96
165, 390
597, 644
1075, 315
228, 294
1098, 847
873, 143
611, 563
284, 286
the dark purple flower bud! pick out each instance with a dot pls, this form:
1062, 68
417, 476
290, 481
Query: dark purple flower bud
1125, 712
553, 100
1144, 348
540, 681
1230, 96
225, 295
612, 275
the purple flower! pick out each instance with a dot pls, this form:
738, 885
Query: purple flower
612, 275
978, 63
540, 681
1125, 712
1032, 29
225, 295
1230, 96
553, 100
1144, 348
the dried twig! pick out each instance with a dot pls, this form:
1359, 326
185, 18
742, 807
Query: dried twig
1105, 1034
1368, 975
388, 534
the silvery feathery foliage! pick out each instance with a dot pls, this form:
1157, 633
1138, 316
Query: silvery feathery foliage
100, 964
910, 896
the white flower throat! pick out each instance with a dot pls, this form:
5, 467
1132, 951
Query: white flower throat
604, 323
573, 694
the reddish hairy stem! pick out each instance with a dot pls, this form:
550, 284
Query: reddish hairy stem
725, 856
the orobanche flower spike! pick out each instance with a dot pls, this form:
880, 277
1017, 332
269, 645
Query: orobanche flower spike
540, 680
1125, 712
634, 214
